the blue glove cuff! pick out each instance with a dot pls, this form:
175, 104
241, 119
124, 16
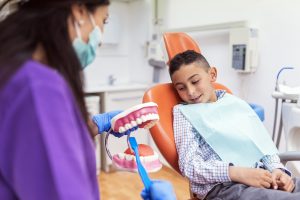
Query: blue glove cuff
102, 122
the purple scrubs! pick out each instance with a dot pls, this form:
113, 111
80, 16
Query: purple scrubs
46, 151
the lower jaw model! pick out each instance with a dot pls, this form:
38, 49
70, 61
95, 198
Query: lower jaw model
141, 116
127, 161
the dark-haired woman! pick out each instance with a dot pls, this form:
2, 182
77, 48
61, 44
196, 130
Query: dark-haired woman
46, 151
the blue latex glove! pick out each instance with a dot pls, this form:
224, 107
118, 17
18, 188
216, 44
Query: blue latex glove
103, 123
159, 190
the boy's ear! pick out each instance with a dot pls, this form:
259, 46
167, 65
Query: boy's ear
213, 74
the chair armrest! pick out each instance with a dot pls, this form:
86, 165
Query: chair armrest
289, 156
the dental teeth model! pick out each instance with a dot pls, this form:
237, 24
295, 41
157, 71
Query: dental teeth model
143, 115
126, 161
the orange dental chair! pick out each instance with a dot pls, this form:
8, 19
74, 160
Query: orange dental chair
166, 97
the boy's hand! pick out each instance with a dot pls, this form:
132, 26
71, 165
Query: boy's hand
251, 176
282, 181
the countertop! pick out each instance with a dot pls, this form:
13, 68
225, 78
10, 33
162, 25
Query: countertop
117, 87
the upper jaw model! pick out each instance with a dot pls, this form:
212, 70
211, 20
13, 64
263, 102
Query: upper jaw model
143, 115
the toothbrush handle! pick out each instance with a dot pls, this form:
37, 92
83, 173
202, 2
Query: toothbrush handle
141, 169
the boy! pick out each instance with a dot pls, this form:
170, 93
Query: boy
216, 151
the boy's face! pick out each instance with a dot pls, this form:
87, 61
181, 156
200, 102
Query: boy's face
194, 84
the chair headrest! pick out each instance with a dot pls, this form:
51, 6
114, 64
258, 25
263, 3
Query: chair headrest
177, 43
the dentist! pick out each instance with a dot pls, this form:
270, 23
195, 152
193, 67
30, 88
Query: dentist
46, 148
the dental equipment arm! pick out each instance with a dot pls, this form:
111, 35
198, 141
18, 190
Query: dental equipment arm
289, 156
278, 75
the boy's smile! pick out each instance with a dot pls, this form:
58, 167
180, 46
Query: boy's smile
194, 83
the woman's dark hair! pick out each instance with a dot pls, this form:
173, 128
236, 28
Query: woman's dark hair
43, 22
186, 58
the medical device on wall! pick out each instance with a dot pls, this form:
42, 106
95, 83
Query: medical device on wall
140, 116
243, 49
155, 57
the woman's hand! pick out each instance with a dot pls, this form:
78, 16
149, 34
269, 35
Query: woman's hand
93, 127
282, 181
159, 190
103, 120
103, 123
251, 176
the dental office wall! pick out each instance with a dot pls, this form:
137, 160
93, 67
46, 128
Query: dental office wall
278, 43
123, 53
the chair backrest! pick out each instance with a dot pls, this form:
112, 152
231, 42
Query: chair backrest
177, 43
162, 133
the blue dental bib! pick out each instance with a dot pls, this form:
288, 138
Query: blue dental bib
232, 129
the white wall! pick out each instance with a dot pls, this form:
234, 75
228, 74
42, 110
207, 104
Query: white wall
141, 32
279, 42
125, 60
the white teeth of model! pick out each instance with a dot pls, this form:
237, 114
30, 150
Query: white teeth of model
149, 159
142, 158
128, 157
128, 126
133, 123
155, 116
144, 118
150, 116
121, 155
121, 129
139, 121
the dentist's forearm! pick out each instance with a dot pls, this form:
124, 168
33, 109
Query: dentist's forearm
93, 127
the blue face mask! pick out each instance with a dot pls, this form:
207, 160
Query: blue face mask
86, 52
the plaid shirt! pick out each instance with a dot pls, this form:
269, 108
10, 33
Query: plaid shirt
198, 161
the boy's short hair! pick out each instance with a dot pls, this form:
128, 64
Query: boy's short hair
185, 58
